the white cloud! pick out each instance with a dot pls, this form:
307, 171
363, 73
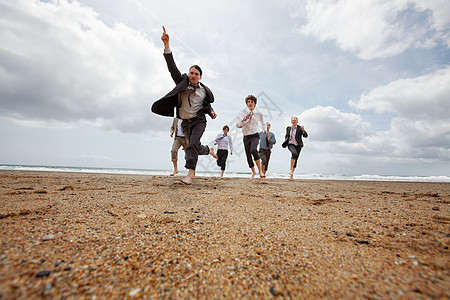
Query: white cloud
60, 63
420, 138
378, 28
341, 141
328, 124
419, 131
423, 97
421, 127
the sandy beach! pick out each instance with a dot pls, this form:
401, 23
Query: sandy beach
95, 236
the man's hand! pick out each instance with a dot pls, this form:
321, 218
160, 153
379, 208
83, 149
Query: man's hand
171, 134
213, 115
165, 38
303, 128
249, 116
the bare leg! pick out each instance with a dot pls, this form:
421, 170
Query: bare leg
190, 176
253, 173
211, 152
175, 168
221, 175
263, 169
291, 174
258, 164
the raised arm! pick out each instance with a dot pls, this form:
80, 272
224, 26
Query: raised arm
173, 69
272, 138
165, 39
304, 133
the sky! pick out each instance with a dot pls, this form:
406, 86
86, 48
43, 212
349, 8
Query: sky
369, 80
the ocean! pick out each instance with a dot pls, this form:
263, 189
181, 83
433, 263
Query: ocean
365, 177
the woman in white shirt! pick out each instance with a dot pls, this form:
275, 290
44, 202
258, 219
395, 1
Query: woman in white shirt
251, 121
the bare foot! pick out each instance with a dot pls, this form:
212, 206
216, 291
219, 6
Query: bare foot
211, 152
190, 176
262, 176
291, 176
253, 176
186, 180
173, 173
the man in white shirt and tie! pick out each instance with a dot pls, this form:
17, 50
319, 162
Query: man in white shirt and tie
223, 141
251, 121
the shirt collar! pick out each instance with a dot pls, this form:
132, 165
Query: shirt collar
198, 85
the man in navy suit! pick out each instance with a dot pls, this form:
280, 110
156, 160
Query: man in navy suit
192, 100
293, 140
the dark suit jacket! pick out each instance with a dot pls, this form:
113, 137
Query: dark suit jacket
298, 136
166, 104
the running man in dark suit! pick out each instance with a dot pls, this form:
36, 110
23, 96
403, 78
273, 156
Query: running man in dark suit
192, 100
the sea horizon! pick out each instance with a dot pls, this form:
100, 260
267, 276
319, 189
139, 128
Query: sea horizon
154, 172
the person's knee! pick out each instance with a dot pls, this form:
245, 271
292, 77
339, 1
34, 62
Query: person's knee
196, 145
255, 154
174, 155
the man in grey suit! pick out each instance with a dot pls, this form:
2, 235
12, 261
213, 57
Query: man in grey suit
192, 100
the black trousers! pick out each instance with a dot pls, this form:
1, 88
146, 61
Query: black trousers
193, 129
265, 157
251, 143
295, 150
222, 158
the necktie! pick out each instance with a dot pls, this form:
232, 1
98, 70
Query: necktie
190, 92
248, 117
219, 139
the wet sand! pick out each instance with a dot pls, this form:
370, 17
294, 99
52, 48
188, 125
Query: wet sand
94, 236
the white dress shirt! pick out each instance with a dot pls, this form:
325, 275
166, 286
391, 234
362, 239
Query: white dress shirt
223, 141
293, 132
254, 125
189, 109
179, 128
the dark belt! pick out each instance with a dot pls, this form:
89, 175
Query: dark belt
191, 119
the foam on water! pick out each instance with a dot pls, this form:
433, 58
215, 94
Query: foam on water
365, 177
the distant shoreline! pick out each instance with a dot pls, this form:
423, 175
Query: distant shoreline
298, 176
